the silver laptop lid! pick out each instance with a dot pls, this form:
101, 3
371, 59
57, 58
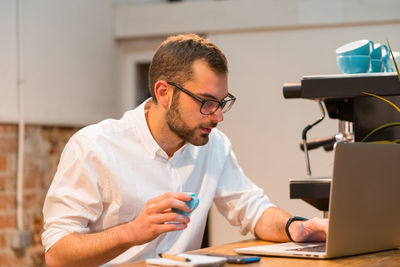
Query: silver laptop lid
364, 213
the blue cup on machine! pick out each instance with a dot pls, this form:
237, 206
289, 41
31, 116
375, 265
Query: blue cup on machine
389, 64
385, 61
192, 203
379, 51
353, 64
355, 57
376, 65
360, 48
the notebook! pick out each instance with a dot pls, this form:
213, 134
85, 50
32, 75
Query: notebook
364, 213
195, 260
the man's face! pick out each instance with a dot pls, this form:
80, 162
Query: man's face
184, 117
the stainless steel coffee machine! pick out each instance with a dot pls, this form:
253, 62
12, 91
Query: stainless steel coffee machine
347, 98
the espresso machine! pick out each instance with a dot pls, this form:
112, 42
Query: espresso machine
347, 98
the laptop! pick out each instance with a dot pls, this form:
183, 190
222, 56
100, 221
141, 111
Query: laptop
364, 213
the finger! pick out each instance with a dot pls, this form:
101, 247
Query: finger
315, 237
317, 224
169, 227
168, 203
175, 195
167, 210
315, 230
157, 229
171, 217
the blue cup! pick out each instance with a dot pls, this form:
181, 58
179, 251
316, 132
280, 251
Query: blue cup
379, 51
376, 65
360, 47
353, 64
192, 203
385, 61
389, 65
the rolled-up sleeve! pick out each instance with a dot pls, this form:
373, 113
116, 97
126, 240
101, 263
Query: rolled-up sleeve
239, 200
74, 199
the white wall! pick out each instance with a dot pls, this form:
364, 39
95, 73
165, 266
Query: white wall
269, 43
138, 21
69, 58
8, 61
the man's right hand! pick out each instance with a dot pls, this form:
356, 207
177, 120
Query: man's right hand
94, 249
157, 218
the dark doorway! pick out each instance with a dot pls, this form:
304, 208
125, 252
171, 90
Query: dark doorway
142, 89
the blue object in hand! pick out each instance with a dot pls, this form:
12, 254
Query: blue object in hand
192, 203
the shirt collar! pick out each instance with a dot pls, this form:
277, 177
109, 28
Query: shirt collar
147, 139
145, 135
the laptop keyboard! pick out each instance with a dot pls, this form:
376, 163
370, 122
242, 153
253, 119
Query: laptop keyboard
319, 248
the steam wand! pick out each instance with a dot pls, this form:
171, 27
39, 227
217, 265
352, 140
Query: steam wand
304, 137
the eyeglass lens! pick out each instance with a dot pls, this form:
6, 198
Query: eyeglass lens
210, 107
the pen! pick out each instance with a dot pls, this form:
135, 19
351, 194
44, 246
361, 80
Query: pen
173, 257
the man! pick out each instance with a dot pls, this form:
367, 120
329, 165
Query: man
117, 181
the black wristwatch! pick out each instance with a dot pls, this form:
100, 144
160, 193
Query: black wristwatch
292, 219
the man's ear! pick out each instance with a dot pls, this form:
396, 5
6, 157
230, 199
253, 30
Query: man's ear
163, 93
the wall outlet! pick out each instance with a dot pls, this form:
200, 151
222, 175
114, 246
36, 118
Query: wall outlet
21, 239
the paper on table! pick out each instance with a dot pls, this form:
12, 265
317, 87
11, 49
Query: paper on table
195, 260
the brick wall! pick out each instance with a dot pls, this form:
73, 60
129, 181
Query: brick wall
43, 147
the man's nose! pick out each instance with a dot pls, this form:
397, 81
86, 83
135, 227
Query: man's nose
217, 116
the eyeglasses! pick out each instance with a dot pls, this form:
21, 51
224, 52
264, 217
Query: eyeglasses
209, 106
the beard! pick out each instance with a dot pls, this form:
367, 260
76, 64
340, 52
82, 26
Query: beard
178, 126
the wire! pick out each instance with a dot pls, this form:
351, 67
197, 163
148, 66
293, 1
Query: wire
304, 136
387, 125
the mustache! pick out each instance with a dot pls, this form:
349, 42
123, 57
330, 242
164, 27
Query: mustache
209, 125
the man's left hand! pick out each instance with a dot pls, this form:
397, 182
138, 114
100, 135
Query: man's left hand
315, 229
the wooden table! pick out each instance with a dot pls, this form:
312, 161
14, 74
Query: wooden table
385, 258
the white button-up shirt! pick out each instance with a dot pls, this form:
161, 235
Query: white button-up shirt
109, 170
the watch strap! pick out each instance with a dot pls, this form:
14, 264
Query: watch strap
292, 219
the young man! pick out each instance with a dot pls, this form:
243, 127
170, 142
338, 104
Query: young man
117, 181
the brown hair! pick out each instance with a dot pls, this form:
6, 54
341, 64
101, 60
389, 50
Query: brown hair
174, 58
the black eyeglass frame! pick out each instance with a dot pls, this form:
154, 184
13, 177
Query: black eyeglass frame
203, 101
